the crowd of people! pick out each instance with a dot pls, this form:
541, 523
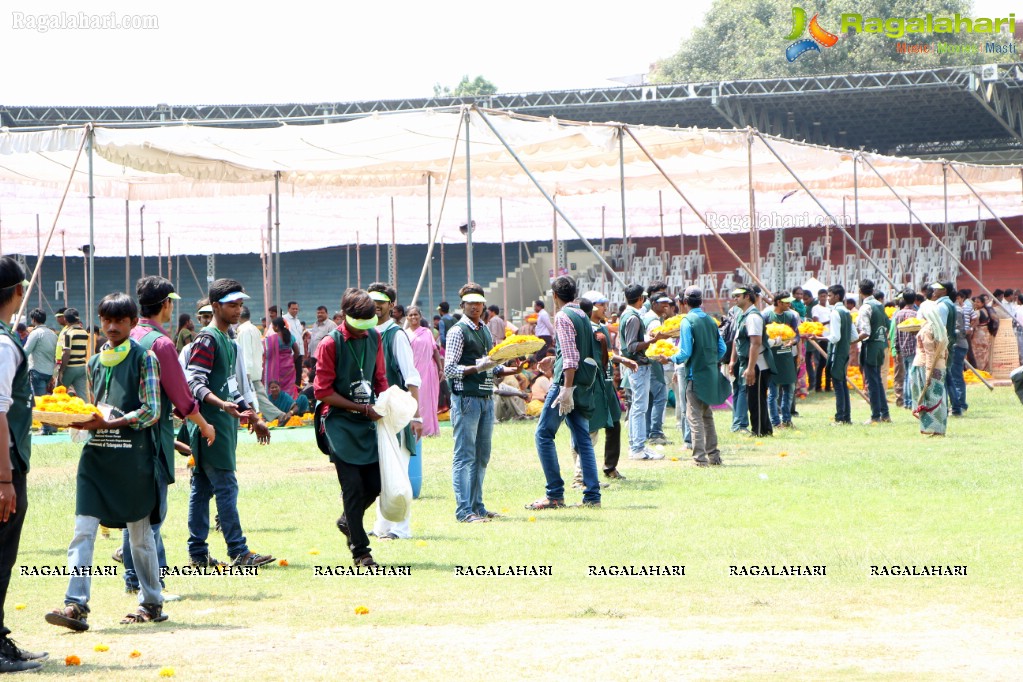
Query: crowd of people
597, 369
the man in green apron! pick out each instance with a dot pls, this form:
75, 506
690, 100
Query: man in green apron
701, 348
755, 364
212, 371
781, 390
401, 372
156, 298
117, 472
872, 325
839, 338
15, 451
350, 374
578, 379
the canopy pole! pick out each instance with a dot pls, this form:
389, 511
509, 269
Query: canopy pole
942, 244
982, 203
429, 239
90, 134
660, 210
63, 260
358, 261
834, 220
699, 215
556, 269
442, 282
436, 230
159, 250
603, 241
142, 241
39, 257
561, 213
468, 200
277, 228
504, 259
268, 266
348, 266
263, 239
378, 250
127, 245
754, 233
856, 197
621, 187
34, 280
681, 236
394, 251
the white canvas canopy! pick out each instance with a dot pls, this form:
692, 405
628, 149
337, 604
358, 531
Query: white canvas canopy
203, 182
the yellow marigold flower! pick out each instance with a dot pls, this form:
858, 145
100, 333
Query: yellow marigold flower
314, 551
135, 654
282, 562
21, 607
669, 326
101, 647
166, 672
361, 610
663, 348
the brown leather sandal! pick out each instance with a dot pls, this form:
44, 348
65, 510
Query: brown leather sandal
147, 613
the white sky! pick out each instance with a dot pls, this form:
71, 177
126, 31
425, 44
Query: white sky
306, 51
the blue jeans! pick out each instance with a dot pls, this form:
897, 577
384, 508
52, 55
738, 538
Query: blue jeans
83, 544
472, 420
907, 367
546, 428
658, 403
131, 580
680, 405
208, 482
955, 383
740, 407
843, 410
788, 393
876, 392
39, 382
639, 382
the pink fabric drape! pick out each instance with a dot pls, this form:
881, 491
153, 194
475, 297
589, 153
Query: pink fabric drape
429, 390
279, 364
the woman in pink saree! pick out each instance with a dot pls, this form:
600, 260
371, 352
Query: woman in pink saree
279, 358
426, 357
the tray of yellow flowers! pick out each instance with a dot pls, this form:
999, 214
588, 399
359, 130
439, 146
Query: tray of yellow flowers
911, 326
662, 348
515, 346
671, 326
61, 409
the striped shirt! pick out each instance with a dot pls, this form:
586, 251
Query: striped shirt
75, 347
148, 413
453, 353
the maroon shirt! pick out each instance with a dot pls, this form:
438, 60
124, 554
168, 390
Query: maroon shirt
326, 363
172, 377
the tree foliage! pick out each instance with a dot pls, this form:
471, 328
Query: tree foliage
745, 39
466, 88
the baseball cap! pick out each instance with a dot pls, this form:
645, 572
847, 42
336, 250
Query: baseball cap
595, 297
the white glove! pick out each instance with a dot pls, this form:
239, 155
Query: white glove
485, 364
564, 400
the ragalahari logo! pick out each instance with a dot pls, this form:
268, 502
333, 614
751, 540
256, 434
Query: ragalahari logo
818, 36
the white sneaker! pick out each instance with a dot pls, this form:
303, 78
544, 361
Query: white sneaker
638, 454
167, 596
653, 454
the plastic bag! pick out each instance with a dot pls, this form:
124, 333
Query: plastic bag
397, 408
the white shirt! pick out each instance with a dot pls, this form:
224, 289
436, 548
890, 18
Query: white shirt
755, 329
403, 354
821, 313
251, 343
835, 330
317, 332
10, 358
295, 326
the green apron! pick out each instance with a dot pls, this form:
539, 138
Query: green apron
709, 384
873, 347
606, 408
165, 427
838, 352
19, 414
117, 469
590, 368
742, 341
406, 437
475, 344
950, 323
784, 358
352, 436
221, 455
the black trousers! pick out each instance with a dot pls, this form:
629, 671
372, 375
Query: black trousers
612, 445
821, 373
360, 487
10, 538
756, 396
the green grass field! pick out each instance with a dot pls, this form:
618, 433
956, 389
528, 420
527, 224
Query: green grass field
846, 498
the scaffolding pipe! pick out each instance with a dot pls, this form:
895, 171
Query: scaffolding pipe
468, 200
546, 196
982, 203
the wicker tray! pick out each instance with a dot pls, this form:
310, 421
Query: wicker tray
909, 329
516, 350
670, 333
59, 418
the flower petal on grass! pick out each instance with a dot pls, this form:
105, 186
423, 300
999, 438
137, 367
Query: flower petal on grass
135, 654
21, 607
314, 551
72, 660
166, 672
361, 611
101, 648
282, 562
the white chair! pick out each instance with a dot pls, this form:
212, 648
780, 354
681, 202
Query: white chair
985, 249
